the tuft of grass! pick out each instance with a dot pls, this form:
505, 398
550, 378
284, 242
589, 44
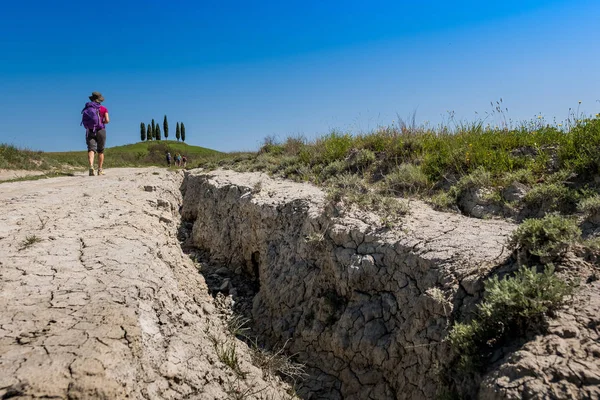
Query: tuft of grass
360, 159
547, 236
227, 353
550, 197
407, 178
238, 326
238, 391
511, 307
524, 176
443, 201
277, 362
30, 241
590, 206
477, 179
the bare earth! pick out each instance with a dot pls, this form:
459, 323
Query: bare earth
97, 299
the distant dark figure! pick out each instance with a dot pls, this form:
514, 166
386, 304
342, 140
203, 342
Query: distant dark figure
169, 158
184, 161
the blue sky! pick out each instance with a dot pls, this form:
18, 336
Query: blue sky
238, 72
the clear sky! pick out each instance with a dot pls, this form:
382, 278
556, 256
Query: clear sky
238, 71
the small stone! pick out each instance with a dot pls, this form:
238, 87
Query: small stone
223, 271
225, 286
515, 192
149, 188
163, 203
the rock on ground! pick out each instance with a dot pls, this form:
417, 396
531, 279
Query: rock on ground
97, 299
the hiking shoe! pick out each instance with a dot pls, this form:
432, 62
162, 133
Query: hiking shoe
100, 172
92, 173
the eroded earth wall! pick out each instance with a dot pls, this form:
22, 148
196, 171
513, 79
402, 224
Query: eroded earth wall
366, 307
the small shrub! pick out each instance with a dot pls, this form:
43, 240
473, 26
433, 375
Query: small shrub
348, 182
464, 339
545, 236
590, 206
407, 178
294, 145
444, 200
592, 243
333, 147
511, 307
560, 177
524, 176
582, 149
227, 353
360, 159
479, 178
333, 169
30, 241
549, 197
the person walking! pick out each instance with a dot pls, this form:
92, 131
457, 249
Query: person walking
169, 158
94, 119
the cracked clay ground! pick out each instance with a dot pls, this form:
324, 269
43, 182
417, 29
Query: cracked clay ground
97, 299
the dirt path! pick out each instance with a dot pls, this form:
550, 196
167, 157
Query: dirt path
98, 301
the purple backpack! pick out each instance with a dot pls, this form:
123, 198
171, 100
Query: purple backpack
90, 118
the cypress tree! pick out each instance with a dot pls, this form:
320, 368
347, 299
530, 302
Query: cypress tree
157, 132
182, 132
142, 131
153, 129
149, 132
177, 132
166, 127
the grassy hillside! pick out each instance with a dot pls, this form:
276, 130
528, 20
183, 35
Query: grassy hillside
527, 171
138, 154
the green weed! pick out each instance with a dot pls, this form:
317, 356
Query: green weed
511, 307
590, 206
30, 241
550, 197
547, 236
227, 353
407, 178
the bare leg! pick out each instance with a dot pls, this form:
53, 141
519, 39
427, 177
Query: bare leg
91, 159
100, 160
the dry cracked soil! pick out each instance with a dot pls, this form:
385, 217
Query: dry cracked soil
100, 299
97, 299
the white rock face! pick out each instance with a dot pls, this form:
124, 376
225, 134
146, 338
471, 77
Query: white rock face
366, 307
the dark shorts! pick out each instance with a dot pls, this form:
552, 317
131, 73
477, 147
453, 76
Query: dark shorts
95, 142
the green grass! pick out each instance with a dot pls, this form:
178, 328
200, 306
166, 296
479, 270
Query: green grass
12, 157
548, 236
132, 155
30, 241
442, 164
511, 306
